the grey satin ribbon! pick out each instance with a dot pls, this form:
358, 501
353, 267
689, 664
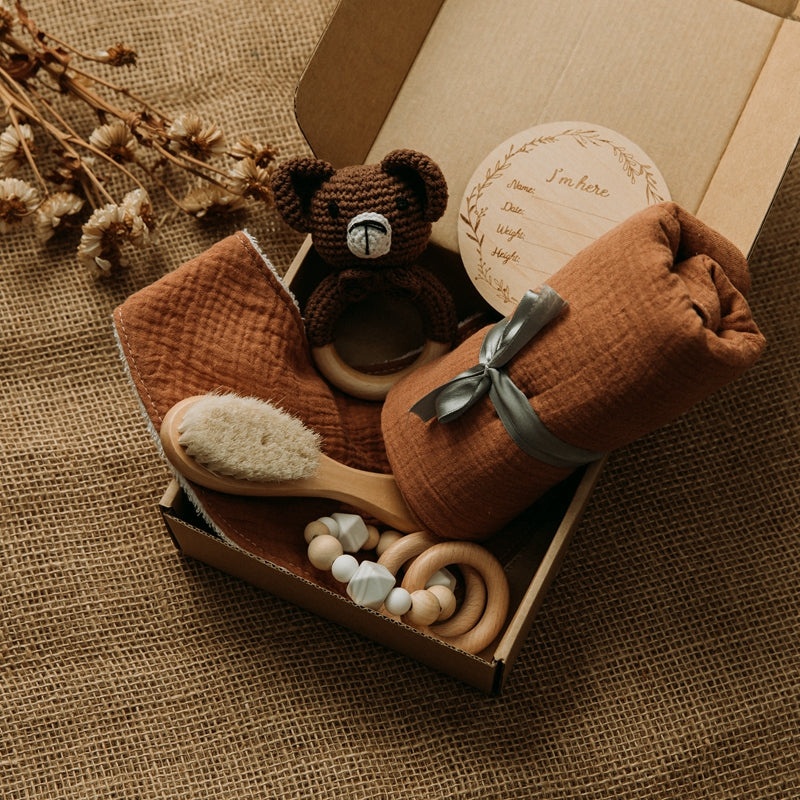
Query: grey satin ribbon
502, 342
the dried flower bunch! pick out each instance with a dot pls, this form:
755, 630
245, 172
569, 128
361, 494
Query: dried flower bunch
75, 180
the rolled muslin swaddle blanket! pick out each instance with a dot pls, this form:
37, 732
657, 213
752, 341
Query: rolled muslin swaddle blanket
630, 333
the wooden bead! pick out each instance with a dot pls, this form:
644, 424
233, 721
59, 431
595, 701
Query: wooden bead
387, 539
447, 601
425, 609
314, 529
324, 550
374, 536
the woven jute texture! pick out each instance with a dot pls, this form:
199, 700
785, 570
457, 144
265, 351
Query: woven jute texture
664, 661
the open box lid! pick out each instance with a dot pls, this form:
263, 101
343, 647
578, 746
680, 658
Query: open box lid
701, 87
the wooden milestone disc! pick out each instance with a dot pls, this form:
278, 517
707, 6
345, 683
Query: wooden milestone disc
542, 196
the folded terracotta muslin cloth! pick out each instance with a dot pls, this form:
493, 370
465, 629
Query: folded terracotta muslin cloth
225, 321
654, 320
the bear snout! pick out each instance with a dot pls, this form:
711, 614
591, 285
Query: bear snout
369, 235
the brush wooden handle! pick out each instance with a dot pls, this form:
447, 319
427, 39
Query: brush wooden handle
372, 492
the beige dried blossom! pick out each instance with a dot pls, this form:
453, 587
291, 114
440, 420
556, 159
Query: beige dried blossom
139, 215
18, 201
112, 226
135, 141
188, 133
250, 180
212, 201
119, 56
12, 149
58, 211
70, 169
116, 140
262, 155
100, 248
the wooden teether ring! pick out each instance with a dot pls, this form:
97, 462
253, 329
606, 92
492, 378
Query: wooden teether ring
406, 548
363, 384
471, 609
473, 555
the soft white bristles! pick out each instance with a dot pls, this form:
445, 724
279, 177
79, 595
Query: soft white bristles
249, 439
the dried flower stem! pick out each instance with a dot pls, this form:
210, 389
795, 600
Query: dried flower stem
134, 137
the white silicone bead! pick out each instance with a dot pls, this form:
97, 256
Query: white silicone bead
398, 601
344, 567
323, 551
370, 585
442, 577
352, 531
331, 524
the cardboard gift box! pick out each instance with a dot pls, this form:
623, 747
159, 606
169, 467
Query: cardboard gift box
701, 87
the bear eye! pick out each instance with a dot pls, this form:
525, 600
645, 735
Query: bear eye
333, 209
401, 203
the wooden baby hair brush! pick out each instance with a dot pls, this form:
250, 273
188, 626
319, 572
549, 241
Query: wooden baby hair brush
247, 446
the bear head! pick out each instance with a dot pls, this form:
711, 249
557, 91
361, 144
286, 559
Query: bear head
371, 216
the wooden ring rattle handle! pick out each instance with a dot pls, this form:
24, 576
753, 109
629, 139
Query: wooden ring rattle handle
473, 604
490, 569
406, 548
471, 608
363, 384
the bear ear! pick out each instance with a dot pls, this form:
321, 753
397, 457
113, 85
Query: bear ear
425, 173
294, 183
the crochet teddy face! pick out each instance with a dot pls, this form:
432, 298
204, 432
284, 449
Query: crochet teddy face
368, 216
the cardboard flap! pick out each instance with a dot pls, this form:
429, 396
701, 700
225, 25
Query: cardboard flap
355, 73
766, 135
673, 78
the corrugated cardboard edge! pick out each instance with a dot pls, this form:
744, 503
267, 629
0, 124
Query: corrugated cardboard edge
195, 542
488, 673
516, 633
744, 184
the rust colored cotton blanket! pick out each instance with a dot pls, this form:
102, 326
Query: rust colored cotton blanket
656, 320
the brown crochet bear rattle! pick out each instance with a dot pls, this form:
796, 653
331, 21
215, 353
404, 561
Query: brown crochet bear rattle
370, 224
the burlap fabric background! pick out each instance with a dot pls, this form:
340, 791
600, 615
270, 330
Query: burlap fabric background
664, 663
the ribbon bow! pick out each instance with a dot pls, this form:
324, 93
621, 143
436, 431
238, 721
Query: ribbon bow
502, 342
